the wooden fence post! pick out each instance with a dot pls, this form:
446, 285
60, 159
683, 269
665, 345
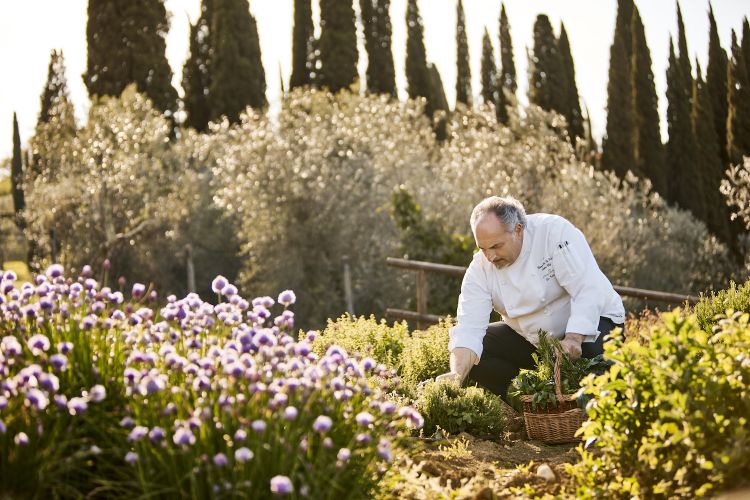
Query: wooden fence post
422, 297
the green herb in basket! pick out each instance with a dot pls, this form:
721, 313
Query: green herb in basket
539, 383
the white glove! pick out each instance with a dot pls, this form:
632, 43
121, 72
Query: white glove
461, 361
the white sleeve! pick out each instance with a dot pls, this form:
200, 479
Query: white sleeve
578, 273
474, 308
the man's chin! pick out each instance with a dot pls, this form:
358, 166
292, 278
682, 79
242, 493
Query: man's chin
500, 265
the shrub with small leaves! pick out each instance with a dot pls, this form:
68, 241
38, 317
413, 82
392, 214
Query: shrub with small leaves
460, 409
366, 336
426, 354
736, 298
671, 419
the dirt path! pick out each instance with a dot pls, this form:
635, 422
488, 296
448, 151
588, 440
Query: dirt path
466, 467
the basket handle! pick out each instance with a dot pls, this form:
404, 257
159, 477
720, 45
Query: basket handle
558, 386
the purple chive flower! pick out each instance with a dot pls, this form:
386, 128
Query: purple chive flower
131, 457
157, 435
243, 454
127, 422
98, 393
364, 419
138, 433
240, 435
88, 322
230, 290
61, 401
328, 443
76, 406
49, 382
384, 450
290, 413
322, 424
220, 460
344, 454
55, 271
106, 265
183, 437
10, 346
138, 290
287, 298
259, 426
65, 347
37, 399
281, 485
363, 438
21, 439
38, 344
219, 283
3, 428
388, 407
86, 271
3, 402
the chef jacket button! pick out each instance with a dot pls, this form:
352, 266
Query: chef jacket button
546, 310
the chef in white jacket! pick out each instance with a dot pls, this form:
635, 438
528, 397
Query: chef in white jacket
539, 273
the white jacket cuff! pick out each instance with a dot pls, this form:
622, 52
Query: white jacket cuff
584, 326
473, 345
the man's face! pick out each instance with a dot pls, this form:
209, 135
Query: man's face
500, 246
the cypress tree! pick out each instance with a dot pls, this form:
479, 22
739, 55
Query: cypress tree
338, 44
438, 102
571, 102
16, 177
716, 83
507, 66
417, 75
303, 37
376, 19
647, 146
492, 91
196, 73
238, 79
56, 118
684, 57
738, 115
488, 70
55, 99
746, 42
618, 151
546, 80
126, 44
463, 71
708, 158
684, 176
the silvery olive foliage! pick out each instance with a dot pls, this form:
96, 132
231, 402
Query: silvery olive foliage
283, 198
736, 189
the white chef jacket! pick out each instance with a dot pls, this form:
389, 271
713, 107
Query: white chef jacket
555, 285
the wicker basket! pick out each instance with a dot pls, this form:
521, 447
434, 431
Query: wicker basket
554, 425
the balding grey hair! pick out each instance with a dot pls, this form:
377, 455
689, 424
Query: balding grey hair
507, 209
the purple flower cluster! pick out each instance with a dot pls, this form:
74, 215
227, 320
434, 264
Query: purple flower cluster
195, 375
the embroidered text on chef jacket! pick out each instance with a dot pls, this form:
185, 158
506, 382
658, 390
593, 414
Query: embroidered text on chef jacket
555, 285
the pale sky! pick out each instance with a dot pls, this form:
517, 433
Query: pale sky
30, 29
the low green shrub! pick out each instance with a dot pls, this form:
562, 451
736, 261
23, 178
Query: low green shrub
366, 336
736, 298
671, 418
425, 354
460, 409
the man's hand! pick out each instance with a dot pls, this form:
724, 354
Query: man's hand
572, 344
461, 361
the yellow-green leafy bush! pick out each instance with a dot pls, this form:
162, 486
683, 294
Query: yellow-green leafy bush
736, 298
425, 354
366, 336
460, 409
671, 418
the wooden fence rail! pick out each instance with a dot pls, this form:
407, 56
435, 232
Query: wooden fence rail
424, 319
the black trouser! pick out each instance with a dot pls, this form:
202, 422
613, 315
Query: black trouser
505, 352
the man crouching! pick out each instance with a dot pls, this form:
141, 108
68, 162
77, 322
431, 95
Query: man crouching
538, 272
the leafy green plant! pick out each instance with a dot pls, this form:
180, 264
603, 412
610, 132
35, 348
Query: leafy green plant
425, 354
366, 336
460, 409
540, 383
670, 419
714, 305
